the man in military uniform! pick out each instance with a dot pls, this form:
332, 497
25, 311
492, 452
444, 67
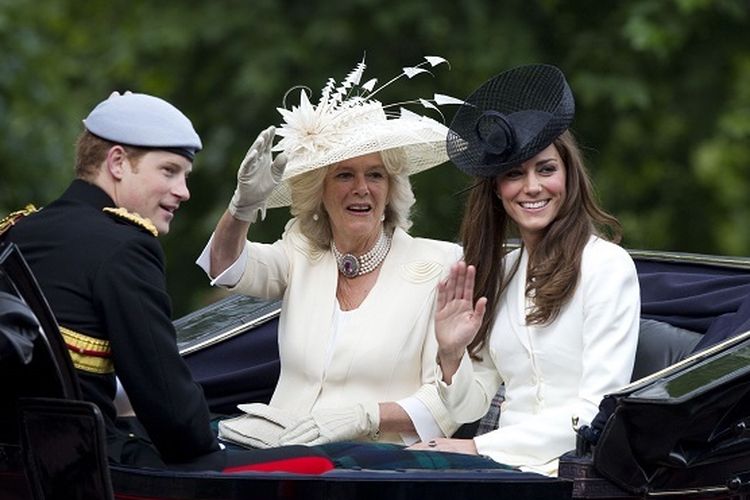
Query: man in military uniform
95, 254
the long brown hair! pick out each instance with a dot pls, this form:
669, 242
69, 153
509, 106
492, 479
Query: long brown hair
554, 264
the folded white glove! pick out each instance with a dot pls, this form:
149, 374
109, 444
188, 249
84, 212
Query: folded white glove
260, 427
256, 178
328, 425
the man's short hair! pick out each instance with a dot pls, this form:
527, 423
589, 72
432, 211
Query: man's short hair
91, 151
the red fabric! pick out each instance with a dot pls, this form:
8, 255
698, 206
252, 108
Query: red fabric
299, 465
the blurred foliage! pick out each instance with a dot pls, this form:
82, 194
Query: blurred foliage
662, 91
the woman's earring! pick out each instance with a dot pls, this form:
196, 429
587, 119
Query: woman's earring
382, 217
315, 217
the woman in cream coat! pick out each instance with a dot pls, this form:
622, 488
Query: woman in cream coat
555, 320
356, 339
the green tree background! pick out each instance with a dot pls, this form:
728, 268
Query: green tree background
662, 90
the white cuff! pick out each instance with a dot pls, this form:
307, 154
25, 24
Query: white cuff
231, 275
424, 423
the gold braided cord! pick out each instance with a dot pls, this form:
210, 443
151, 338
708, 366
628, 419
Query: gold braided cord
13, 217
136, 219
89, 354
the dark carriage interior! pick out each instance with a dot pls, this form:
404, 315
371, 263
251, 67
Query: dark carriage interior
683, 299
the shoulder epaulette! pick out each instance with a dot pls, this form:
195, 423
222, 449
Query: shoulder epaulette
13, 217
133, 218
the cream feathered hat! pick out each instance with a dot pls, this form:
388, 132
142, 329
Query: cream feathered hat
348, 122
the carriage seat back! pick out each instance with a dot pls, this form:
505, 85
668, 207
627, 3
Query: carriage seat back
661, 345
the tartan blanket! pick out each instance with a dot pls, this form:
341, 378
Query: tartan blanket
369, 455
387, 456
491, 419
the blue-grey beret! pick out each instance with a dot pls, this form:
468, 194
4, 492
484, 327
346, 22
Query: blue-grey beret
144, 121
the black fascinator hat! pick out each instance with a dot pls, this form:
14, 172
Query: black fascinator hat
509, 119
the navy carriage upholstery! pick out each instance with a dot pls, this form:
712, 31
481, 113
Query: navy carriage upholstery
687, 306
707, 296
231, 367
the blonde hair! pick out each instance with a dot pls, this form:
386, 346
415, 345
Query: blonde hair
307, 199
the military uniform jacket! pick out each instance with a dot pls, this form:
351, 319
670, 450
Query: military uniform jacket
104, 277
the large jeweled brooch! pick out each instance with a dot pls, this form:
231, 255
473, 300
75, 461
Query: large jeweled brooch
352, 266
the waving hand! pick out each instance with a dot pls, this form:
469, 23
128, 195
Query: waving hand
457, 319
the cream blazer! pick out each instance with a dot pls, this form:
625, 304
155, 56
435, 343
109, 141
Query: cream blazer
387, 351
556, 372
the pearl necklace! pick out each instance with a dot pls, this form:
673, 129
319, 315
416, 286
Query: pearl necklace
352, 266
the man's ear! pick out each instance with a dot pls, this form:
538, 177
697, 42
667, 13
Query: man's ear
116, 160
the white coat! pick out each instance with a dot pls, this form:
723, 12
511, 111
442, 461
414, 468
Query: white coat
387, 350
555, 372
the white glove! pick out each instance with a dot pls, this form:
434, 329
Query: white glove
330, 425
256, 178
259, 428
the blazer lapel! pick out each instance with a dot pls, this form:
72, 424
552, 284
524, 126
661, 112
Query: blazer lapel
320, 306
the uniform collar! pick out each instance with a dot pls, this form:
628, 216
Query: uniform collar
91, 194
